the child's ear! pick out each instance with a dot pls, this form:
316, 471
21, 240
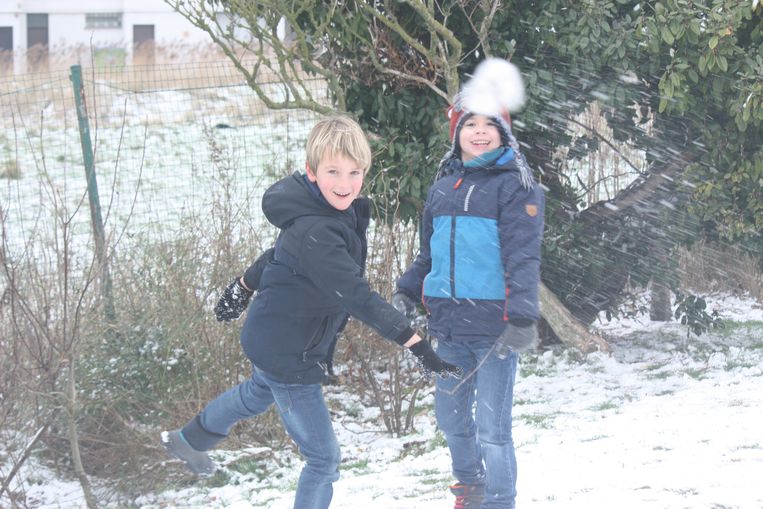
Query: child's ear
310, 175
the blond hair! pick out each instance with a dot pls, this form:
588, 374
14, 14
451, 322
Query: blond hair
338, 135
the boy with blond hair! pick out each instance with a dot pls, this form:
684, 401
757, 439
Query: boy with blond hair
306, 291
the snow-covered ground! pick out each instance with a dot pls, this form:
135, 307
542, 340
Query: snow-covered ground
662, 422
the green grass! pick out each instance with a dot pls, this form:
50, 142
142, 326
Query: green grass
750, 332
686, 491
437, 441
10, 170
354, 410
529, 369
607, 405
254, 467
697, 374
543, 421
751, 446
748, 363
432, 477
654, 366
220, 479
539, 400
597, 370
430, 481
361, 464
660, 375
732, 328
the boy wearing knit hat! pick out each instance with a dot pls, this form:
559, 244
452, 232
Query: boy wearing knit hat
477, 275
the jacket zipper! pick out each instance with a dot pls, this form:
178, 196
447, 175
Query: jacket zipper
453, 245
453, 238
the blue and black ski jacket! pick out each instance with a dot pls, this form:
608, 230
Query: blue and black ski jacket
479, 261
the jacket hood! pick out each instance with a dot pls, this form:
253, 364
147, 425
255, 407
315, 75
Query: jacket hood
291, 198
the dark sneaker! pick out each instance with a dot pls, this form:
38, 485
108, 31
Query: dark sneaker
197, 462
468, 496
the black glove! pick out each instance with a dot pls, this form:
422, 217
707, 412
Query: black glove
430, 362
404, 304
517, 339
232, 302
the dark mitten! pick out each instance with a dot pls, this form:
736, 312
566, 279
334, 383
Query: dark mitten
430, 362
232, 302
404, 304
517, 339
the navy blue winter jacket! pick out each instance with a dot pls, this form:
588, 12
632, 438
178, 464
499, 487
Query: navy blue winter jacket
313, 281
479, 261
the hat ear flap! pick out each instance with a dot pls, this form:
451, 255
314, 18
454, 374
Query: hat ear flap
454, 116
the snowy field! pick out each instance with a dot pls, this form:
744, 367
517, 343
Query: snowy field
160, 156
662, 422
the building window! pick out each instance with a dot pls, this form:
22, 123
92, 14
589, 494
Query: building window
6, 38
37, 21
37, 42
143, 44
6, 49
103, 20
37, 30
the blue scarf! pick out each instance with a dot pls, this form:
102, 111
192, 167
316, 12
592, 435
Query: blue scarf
486, 159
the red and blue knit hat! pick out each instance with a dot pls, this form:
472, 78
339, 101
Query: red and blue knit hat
495, 89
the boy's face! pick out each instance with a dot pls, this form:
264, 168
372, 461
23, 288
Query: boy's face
339, 179
478, 136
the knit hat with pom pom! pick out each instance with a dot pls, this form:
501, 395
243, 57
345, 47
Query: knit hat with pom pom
495, 89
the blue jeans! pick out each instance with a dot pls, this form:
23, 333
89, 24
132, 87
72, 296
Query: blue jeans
306, 418
481, 447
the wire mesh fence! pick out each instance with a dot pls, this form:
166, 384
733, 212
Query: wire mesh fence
165, 137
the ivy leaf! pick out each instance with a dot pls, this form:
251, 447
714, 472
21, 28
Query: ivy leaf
667, 36
724, 65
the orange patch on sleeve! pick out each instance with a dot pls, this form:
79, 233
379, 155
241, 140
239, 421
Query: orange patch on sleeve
532, 210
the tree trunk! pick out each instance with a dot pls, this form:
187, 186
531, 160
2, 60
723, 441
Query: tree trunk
569, 330
71, 418
22, 459
659, 307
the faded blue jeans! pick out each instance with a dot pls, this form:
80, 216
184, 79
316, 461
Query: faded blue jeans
304, 414
475, 417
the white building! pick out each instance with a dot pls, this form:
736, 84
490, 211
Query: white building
47, 34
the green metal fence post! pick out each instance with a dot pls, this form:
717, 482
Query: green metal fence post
92, 190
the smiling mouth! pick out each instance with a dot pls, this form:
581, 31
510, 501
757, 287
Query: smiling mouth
342, 195
481, 143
